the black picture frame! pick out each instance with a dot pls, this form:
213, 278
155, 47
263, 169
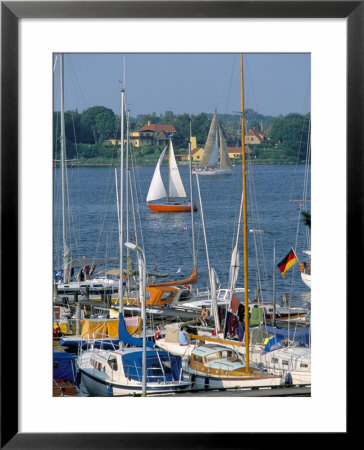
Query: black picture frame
11, 12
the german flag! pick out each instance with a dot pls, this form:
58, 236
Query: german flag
287, 262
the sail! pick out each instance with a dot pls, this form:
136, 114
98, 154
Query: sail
156, 189
225, 162
210, 155
214, 310
175, 188
234, 268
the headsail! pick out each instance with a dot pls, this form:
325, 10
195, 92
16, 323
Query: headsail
156, 189
210, 155
175, 188
225, 162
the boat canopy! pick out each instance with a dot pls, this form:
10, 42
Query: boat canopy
64, 367
127, 338
301, 336
161, 366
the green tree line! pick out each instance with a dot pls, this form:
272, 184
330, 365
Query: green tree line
87, 134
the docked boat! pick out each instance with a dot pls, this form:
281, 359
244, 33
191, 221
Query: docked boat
215, 160
119, 372
175, 187
305, 268
218, 367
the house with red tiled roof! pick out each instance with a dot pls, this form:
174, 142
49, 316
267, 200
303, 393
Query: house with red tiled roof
255, 137
152, 134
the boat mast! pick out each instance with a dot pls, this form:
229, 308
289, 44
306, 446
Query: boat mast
191, 198
66, 250
121, 306
169, 169
245, 228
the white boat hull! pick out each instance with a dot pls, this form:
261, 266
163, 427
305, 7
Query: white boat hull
99, 386
306, 278
200, 381
214, 172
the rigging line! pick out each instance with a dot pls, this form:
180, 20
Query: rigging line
246, 65
299, 151
230, 84
77, 81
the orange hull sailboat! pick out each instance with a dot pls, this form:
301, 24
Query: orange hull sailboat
175, 187
171, 207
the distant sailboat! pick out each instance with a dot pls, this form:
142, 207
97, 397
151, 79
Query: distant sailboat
215, 146
175, 187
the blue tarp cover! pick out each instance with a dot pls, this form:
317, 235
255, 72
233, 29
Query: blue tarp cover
301, 336
125, 336
64, 367
132, 363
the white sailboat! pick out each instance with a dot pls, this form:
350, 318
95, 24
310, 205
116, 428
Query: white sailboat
215, 146
175, 189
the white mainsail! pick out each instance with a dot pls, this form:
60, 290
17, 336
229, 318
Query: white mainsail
175, 185
156, 189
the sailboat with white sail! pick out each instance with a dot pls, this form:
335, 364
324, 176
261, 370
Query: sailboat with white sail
215, 160
175, 189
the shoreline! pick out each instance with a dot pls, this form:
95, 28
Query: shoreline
82, 164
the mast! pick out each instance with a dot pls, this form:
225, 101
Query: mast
122, 100
66, 250
245, 228
191, 197
169, 170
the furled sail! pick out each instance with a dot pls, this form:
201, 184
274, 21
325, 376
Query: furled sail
156, 189
225, 162
176, 188
211, 152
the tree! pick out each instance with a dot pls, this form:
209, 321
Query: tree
98, 124
200, 128
291, 134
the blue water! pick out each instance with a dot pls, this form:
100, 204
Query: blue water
93, 226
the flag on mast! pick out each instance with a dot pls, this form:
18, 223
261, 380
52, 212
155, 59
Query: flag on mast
287, 262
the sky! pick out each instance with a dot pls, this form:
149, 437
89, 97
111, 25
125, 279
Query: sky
274, 84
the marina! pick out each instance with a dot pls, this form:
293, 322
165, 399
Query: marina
180, 298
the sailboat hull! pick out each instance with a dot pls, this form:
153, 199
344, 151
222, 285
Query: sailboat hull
171, 208
209, 172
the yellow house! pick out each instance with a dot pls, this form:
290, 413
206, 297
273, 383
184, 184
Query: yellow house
255, 137
114, 141
234, 152
197, 154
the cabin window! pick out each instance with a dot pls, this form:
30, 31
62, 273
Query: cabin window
226, 354
303, 365
198, 359
113, 363
284, 362
168, 296
275, 360
211, 357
